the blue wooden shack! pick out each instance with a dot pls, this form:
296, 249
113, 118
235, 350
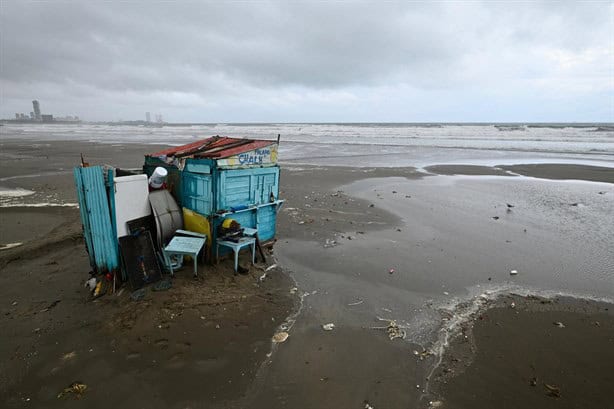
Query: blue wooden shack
222, 177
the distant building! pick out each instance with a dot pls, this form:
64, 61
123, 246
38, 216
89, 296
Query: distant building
31, 115
47, 118
16, 115
37, 109
147, 117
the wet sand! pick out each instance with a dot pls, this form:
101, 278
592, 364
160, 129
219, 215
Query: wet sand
541, 353
340, 233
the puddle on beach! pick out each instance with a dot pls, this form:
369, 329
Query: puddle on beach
452, 254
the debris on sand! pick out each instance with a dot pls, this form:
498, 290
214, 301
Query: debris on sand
393, 329
328, 327
513, 272
558, 324
77, 388
163, 285
391, 271
552, 390
269, 268
509, 206
533, 381
495, 217
424, 354
69, 355
356, 303
138, 295
280, 337
435, 404
330, 243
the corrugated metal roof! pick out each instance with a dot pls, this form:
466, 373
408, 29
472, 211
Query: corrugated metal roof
214, 147
96, 218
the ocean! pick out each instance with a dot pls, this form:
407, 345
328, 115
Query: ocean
369, 144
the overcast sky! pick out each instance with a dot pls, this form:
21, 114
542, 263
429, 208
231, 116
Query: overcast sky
309, 61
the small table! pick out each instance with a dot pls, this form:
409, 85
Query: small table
190, 246
236, 247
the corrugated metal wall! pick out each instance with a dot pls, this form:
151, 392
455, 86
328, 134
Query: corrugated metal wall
93, 199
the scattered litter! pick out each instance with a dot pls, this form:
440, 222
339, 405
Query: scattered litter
391, 271
559, 324
217, 326
513, 272
69, 355
77, 388
367, 406
435, 404
387, 309
446, 293
509, 205
262, 277
424, 354
533, 381
280, 337
371, 205
495, 217
138, 295
417, 386
91, 283
14, 303
513, 304
163, 285
393, 329
328, 327
272, 266
9, 246
356, 303
552, 390
293, 290
330, 243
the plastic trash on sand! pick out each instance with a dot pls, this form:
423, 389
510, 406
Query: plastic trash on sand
280, 337
91, 283
328, 327
513, 272
76, 388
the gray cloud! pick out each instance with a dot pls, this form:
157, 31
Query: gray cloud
85, 56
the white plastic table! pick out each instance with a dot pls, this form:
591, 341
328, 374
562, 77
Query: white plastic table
190, 246
236, 247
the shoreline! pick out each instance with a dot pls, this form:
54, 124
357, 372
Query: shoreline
340, 232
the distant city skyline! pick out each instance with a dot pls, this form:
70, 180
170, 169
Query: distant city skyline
311, 61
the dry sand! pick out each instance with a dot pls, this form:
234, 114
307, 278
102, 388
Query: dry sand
206, 343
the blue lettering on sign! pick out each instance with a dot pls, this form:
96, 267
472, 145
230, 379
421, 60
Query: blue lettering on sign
256, 157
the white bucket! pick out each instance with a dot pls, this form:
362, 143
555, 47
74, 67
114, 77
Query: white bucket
158, 177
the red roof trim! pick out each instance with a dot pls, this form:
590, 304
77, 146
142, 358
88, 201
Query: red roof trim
203, 147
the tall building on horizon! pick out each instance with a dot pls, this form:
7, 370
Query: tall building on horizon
147, 117
37, 110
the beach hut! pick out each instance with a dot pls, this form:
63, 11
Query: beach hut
221, 177
210, 180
